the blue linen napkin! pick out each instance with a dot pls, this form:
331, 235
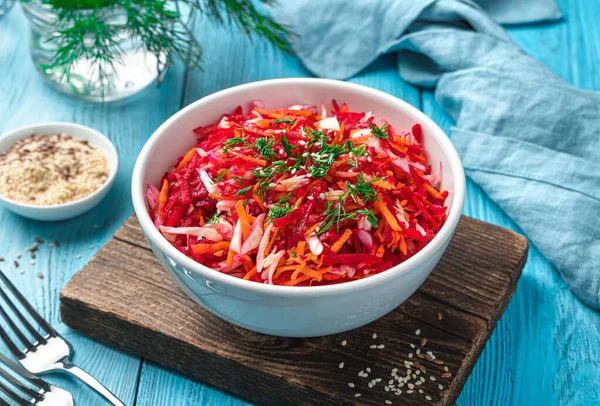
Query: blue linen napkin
529, 139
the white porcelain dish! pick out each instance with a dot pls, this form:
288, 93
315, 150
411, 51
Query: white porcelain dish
74, 208
283, 310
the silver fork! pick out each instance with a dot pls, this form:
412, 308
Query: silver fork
29, 390
47, 353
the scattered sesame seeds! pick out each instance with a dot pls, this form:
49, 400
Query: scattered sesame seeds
370, 385
368, 369
441, 387
410, 355
438, 362
344, 343
351, 385
427, 397
381, 346
412, 345
418, 351
420, 390
446, 369
361, 373
374, 346
40, 275
388, 402
357, 395
78, 256
423, 341
417, 332
374, 336
16, 263
446, 375
440, 316
432, 378
409, 391
341, 365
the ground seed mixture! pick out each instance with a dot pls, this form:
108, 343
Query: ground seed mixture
51, 169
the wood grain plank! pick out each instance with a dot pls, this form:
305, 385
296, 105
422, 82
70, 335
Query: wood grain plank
123, 298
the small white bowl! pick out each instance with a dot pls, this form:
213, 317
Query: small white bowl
71, 209
290, 310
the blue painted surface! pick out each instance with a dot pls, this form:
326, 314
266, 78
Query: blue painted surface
545, 349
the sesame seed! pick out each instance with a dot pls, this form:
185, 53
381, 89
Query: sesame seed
418, 351
322, 195
391, 382
410, 355
350, 384
399, 392
446, 375
423, 341
377, 380
78, 256
32, 262
438, 362
411, 386
281, 151
381, 346
16, 263
430, 353
374, 336
432, 378
1, 259
370, 385
441, 387
440, 316
361, 373
357, 395
341, 365
373, 346
344, 343
388, 402
293, 171
369, 159
39, 275
412, 345
368, 369
417, 332
409, 391
427, 397
19, 255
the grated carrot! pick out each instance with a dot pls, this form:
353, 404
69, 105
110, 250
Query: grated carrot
250, 274
383, 184
311, 229
243, 217
301, 248
259, 202
187, 158
163, 195
273, 239
201, 249
380, 251
379, 205
403, 247
257, 161
230, 257
433, 192
341, 241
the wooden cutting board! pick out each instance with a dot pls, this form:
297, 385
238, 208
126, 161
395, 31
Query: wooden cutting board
123, 298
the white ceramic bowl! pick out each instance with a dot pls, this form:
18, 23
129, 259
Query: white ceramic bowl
283, 310
67, 210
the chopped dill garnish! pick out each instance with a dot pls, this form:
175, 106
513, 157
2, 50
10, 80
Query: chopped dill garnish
264, 146
243, 191
285, 198
286, 121
279, 211
380, 132
361, 150
214, 219
238, 179
234, 141
221, 175
369, 215
289, 148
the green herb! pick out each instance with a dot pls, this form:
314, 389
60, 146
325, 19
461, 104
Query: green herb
369, 215
243, 191
266, 176
234, 141
380, 132
238, 179
221, 175
336, 213
214, 219
83, 33
264, 146
284, 199
279, 211
314, 137
287, 146
361, 150
353, 162
286, 121
323, 159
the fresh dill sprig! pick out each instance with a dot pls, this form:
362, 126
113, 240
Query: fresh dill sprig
214, 219
283, 120
234, 141
242, 192
289, 148
279, 211
221, 175
380, 132
84, 31
264, 146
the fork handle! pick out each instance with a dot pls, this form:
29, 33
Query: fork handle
93, 383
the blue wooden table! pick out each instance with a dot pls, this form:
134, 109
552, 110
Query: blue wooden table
545, 349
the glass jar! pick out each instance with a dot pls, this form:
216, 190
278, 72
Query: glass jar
85, 78
5, 5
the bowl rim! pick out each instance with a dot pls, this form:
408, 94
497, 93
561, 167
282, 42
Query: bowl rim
114, 168
407, 266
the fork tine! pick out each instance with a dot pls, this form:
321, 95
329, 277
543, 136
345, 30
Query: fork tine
39, 319
11, 344
19, 401
16, 329
25, 389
